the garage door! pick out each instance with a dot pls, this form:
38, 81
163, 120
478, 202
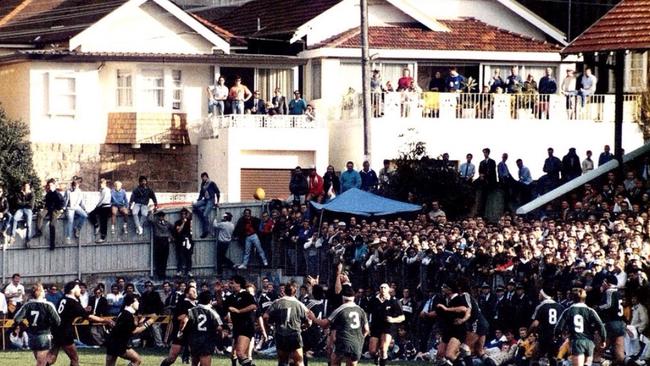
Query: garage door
275, 183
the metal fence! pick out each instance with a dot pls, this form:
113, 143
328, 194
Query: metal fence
120, 255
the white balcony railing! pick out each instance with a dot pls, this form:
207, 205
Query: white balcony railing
214, 123
599, 108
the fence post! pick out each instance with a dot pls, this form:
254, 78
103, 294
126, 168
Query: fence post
3, 264
79, 258
151, 251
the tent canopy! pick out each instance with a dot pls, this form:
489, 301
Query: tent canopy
358, 202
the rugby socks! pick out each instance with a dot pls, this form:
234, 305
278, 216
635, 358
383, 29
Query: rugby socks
233, 361
382, 361
245, 361
305, 361
165, 363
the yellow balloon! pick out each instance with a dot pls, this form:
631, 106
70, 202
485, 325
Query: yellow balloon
259, 194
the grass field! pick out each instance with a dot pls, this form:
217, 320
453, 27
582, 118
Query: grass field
95, 357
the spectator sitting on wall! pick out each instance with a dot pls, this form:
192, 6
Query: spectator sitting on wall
209, 196
54, 205
315, 184
297, 105
298, 186
119, 206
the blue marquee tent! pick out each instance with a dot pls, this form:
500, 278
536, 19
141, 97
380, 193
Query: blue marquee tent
358, 202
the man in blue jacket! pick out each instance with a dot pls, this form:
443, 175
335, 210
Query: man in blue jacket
350, 178
209, 196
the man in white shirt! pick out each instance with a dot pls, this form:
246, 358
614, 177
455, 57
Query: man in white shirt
224, 229
587, 164
218, 95
634, 332
568, 89
3, 304
467, 169
15, 294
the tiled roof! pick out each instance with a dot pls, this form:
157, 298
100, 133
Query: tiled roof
51, 21
626, 26
223, 33
276, 17
467, 34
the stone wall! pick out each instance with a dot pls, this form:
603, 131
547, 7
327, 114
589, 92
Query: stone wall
169, 170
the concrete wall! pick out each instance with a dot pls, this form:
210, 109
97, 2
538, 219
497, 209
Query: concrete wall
525, 139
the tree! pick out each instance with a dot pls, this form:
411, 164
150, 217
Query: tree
431, 179
16, 164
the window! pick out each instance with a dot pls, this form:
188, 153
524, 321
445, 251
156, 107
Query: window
62, 95
636, 66
124, 88
316, 80
177, 91
153, 89
266, 80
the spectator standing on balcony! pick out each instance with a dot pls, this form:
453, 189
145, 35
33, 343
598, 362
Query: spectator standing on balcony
279, 102
571, 167
119, 206
246, 230
404, 83
467, 169
587, 164
454, 81
297, 105
315, 184
208, 200
496, 81
99, 216
239, 94
74, 208
5, 216
488, 168
54, 205
437, 83
547, 84
310, 113
569, 91
24, 211
218, 95
298, 186
587, 85
369, 178
139, 203
376, 84
605, 156
514, 83
331, 183
256, 105
350, 178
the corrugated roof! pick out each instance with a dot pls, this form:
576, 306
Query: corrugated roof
467, 34
276, 17
625, 27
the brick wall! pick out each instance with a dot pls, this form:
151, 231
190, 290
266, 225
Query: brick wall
147, 128
169, 170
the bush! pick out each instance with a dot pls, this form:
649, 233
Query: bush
16, 164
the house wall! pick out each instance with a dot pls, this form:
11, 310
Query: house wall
14, 90
144, 29
278, 148
525, 139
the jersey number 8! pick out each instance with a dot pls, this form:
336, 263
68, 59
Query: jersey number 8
552, 316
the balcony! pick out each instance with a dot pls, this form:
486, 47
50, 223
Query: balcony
451, 106
258, 121
147, 128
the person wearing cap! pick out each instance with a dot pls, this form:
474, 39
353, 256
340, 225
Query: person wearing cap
69, 309
487, 302
502, 308
349, 328
385, 313
126, 326
581, 323
453, 314
224, 230
297, 105
545, 318
162, 232
612, 313
521, 306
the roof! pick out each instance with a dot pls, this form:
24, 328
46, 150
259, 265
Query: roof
276, 17
357, 202
626, 26
223, 33
467, 34
51, 21
224, 59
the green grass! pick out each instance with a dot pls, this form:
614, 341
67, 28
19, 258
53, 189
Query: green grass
96, 357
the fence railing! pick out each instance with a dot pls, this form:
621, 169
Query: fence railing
215, 123
597, 107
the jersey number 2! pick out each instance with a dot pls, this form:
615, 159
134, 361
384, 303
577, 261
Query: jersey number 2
201, 324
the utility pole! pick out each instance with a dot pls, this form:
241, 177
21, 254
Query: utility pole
619, 83
568, 27
365, 76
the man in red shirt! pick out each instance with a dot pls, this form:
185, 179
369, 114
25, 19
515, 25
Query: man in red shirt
404, 83
315, 184
246, 230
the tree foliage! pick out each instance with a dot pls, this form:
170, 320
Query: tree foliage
430, 179
16, 157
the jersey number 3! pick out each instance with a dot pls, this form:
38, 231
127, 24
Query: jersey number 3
356, 322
